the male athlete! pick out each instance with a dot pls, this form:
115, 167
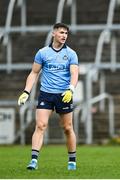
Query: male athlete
59, 76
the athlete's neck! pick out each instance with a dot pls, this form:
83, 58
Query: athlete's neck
57, 46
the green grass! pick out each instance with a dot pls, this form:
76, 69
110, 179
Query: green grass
93, 162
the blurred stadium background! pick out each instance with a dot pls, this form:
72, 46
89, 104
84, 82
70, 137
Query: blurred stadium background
25, 26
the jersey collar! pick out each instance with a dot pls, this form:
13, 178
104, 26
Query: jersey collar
64, 46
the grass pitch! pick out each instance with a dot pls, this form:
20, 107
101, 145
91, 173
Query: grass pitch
93, 162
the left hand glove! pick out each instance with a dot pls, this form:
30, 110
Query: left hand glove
23, 98
67, 96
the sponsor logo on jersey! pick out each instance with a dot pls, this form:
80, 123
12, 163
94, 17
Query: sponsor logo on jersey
56, 66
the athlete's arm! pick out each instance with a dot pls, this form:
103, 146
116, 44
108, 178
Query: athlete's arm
31, 79
67, 95
74, 75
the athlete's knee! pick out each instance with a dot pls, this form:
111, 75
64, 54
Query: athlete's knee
41, 126
68, 128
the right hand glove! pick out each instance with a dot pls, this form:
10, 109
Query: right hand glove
67, 96
23, 98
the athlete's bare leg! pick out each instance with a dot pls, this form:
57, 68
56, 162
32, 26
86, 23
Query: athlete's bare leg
66, 123
42, 117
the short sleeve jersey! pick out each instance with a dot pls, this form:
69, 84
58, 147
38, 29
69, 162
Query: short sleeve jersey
55, 75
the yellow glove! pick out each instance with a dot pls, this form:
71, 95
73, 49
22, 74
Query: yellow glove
23, 98
67, 96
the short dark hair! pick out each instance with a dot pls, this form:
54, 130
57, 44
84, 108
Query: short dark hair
61, 25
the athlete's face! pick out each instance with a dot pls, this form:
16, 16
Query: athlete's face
60, 35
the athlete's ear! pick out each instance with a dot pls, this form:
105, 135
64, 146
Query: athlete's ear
53, 33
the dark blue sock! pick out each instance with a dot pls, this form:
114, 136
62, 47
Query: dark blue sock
34, 154
72, 156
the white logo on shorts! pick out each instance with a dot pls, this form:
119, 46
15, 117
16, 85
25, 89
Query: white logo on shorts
42, 103
65, 108
71, 106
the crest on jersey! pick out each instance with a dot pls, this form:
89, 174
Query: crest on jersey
65, 57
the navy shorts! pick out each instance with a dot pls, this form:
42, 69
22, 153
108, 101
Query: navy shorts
54, 102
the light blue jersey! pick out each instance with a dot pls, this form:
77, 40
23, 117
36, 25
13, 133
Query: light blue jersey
55, 76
